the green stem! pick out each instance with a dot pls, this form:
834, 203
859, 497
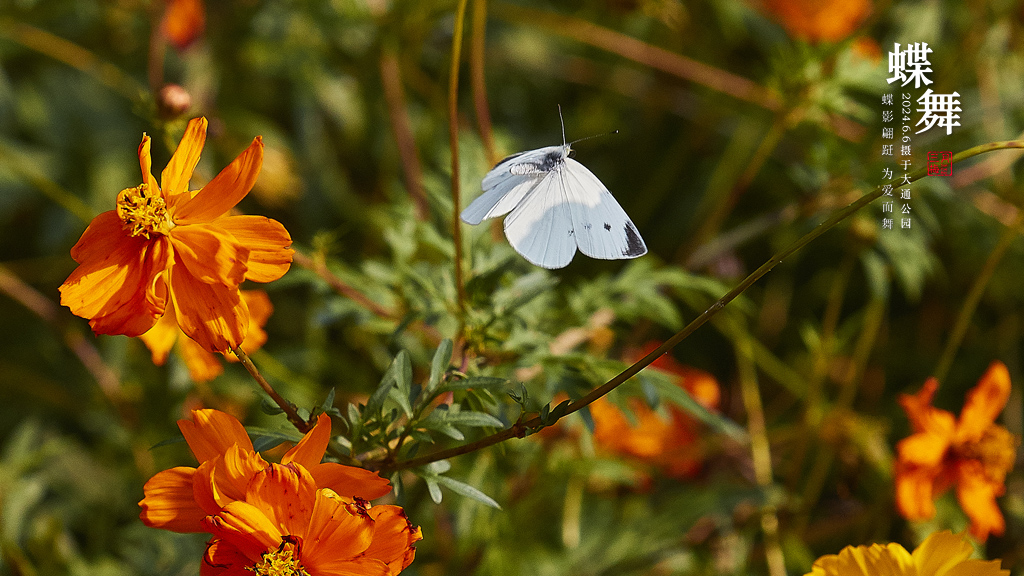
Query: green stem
521, 428
453, 136
286, 406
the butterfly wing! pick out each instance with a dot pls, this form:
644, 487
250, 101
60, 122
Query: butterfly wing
602, 228
540, 227
507, 184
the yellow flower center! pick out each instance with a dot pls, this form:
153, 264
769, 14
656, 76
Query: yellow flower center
143, 211
280, 562
996, 450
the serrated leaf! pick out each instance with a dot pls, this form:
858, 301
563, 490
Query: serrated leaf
439, 364
467, 491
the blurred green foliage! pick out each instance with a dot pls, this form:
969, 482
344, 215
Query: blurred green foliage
735, 138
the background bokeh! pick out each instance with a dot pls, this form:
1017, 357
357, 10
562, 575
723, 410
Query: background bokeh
741, 126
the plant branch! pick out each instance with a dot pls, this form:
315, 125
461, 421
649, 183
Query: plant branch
522, 427
286, 406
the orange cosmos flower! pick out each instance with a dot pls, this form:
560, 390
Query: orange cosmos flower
669, 445
819, 20
972, 453
203, 366
166, 244
184, 21
941, 554
304, 514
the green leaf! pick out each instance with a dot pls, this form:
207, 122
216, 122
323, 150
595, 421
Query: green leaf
328, 403
439, 364
434, 489
476, 382
265, 438
399, 374
269, 407
680, 397
467, 491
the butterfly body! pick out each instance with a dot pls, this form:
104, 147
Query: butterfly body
555, 205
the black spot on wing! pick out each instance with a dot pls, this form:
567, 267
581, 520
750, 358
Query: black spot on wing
607, 226
634, 244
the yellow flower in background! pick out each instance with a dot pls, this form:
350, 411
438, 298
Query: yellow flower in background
204, 366
972, 453
168, 245
941, 554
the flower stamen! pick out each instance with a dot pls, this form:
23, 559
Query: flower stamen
996, 450
143, 211
281, 562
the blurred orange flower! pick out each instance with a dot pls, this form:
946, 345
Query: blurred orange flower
203, 366
941, 554
972, 453
166, 244
308, 516
819, 20
184, 21
669, 445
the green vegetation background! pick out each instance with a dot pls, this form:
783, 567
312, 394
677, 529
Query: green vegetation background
351, 98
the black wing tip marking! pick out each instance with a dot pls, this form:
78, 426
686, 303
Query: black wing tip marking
634, 244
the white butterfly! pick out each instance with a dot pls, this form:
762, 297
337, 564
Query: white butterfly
556, 205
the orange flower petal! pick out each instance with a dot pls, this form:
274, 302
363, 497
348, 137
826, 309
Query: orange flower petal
174, 179
350, 481
245, 527
357, 567
184, 21
226, 189
169, 502
977, 496
338, 529
922, 416
311, 449
914, 492
161, 337
234, 472
202, 366
268, 243
393, 538
214, 315
211, 433
116, 283
923, 448
223, 559
146, 162
211, 254
984, 402
284, 494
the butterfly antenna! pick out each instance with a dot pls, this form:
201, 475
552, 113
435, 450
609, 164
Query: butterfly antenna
560, 119
594, 136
